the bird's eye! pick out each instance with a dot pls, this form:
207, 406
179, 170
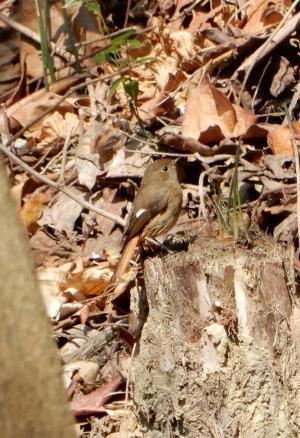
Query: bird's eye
165, 169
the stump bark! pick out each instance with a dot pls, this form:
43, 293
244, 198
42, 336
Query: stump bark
219, 355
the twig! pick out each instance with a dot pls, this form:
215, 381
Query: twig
186, 11
293, 103
202, 208
135, 32
240, 10
61, 178
297, 166
57, 186
6, 135
158, 153
50, 162
127, 13
259, 82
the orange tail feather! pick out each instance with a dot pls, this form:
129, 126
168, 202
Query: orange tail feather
126, 257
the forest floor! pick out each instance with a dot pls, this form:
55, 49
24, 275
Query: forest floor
89, 96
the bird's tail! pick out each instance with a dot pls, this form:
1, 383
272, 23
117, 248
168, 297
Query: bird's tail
126, 257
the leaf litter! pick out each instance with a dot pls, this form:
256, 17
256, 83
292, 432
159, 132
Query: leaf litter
213, 84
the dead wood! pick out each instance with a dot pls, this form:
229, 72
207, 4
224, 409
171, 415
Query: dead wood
219, 352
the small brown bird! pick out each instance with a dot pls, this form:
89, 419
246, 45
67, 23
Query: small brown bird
155, 208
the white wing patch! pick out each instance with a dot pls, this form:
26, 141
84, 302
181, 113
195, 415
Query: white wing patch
140, 212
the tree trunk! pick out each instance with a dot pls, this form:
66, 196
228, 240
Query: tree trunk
219, 354
32, 399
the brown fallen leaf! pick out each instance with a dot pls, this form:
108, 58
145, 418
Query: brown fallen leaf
187, 144
58, 125
279, 138
90, 281
158, 106
42, 245
87, 158
92, 403
32, 210
198, 18
85, 27
210, 116
162, 102
63, 214
261, 14
92, 308
283, 78
130, 164
178, 16
50, 280
87, 371
110, 202
25, 110
21, 113
28, 48
212, 19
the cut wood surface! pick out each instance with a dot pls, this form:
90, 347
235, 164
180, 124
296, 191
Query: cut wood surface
219, 352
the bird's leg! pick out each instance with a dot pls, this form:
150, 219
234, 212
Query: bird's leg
159, 244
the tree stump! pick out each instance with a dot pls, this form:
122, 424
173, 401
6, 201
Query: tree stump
219, 354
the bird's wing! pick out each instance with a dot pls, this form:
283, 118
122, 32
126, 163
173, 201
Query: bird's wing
145, 209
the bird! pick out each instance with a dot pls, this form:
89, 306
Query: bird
155, 210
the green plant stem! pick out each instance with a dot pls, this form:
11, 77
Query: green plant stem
49, 61
42, 18
133, 98
71, 38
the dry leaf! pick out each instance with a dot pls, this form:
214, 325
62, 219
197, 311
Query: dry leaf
91, 281
63, 214
129, 163
32, 210
183, 44
198, 18
158, 106
58, 125
178, 17
111, 203
87, 370
50, 280
210, 116
162, 102
92, 403
283, 78
30, 107
262, 13
279, 138
88, 159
